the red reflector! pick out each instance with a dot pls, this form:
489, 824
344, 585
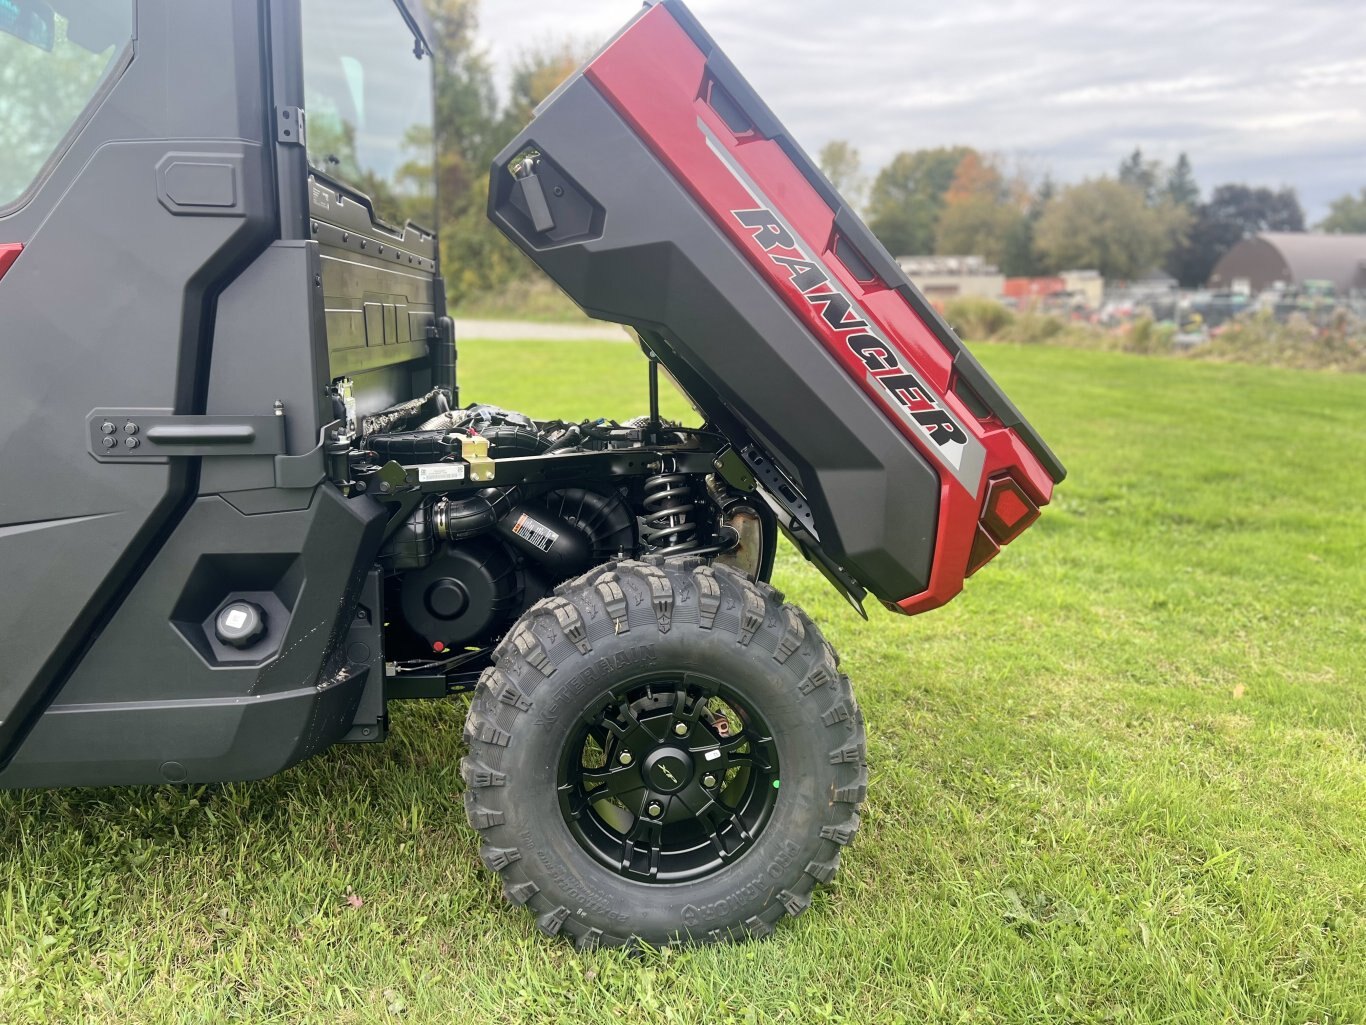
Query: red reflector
9, 252
1007, 510
984, 549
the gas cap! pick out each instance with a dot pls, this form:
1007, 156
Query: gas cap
240, 624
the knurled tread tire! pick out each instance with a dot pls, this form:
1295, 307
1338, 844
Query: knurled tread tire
615, 622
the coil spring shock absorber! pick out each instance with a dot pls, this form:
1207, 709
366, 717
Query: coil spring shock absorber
668, 526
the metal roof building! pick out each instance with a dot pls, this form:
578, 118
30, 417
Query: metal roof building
1294, 258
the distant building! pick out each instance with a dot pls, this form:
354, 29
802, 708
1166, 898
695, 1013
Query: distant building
1027, 289
1086, 287
1292, 258
946, 277
1086, 284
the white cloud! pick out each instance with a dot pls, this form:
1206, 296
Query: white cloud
1260, 91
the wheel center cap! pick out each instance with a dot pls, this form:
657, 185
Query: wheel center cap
669, 769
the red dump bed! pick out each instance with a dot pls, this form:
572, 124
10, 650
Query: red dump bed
659, 191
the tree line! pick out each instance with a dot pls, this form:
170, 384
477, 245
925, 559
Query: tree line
472, 125
956, 201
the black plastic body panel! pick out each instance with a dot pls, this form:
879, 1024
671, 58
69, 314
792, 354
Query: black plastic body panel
153, 689
660, 264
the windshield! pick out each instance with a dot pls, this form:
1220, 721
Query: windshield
51, 67
368, 100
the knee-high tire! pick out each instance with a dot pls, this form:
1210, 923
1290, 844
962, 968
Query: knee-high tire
663, 752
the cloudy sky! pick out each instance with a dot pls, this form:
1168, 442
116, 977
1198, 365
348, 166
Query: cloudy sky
1263, 91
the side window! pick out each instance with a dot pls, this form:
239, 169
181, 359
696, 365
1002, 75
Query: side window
51, 67
368, 98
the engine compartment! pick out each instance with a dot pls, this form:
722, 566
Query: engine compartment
492, 509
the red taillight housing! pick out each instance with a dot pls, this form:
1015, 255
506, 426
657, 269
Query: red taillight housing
9, 252
1006, 512
984, 549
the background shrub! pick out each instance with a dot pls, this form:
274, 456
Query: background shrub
975, 317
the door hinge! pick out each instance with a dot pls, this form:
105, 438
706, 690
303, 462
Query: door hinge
291, 126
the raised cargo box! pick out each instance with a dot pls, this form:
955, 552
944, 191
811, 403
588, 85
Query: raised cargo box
659, 191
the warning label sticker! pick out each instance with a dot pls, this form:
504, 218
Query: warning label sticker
534, 532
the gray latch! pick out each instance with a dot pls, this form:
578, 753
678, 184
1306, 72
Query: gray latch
538, 209
122, 435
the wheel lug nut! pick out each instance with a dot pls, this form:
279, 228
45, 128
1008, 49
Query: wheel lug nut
681, 729
625, 758
654, 809
709, 780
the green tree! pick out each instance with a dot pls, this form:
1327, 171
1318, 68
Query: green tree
981, 210
1232, 213
1180, 188
1108, 226
535, 75
977, 227
474, 256
907, 198
840, 162
1019, 257
1346, 215
470, 130
1141, 174
467, 129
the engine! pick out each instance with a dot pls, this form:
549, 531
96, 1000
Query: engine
466, 553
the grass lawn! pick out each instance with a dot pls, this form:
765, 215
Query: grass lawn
533, 298
1121, 779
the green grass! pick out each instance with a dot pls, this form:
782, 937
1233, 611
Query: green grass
1122, 778
525, 298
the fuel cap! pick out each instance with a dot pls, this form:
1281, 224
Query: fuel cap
240, 624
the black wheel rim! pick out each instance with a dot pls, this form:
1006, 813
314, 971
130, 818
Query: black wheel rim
670, 779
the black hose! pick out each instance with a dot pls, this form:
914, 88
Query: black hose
470, 517
508, 441
568, 439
